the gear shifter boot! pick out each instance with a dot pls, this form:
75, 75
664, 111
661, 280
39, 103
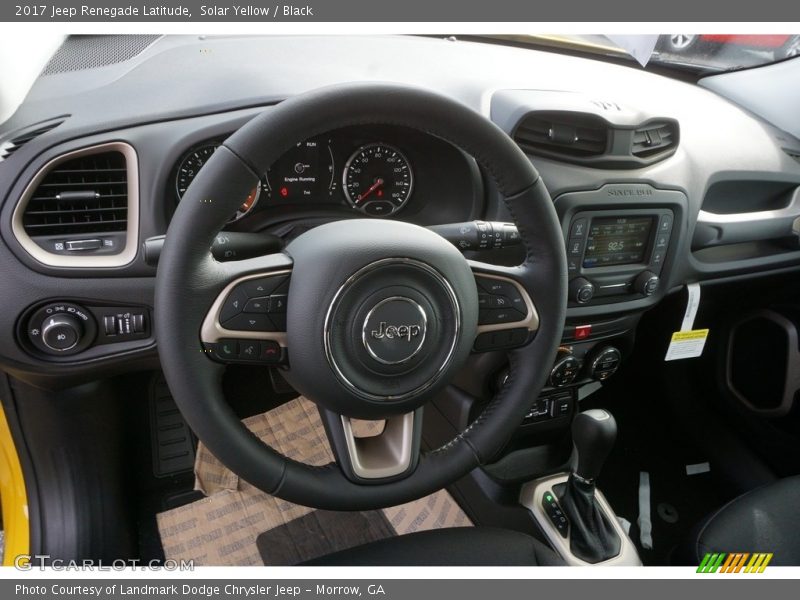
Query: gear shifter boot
591, 536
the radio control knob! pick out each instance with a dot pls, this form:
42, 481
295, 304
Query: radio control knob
581, 290
646, 283
61, 332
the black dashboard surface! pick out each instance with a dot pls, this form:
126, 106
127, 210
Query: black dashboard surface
185, 91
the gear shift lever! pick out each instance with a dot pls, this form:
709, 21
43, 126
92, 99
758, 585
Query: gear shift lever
593, 433
591, 535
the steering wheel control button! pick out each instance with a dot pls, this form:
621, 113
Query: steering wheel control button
605, 363
504, 338
249, 322
493, 316
256, 305
263, 286
270, 352
565, 371
500, 294
277, 303
233, 305
227, 349
249, 349
394, 330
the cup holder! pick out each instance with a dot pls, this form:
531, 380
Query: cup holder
762, 367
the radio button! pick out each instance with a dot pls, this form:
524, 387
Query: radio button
578, 229
573, 264
575, 247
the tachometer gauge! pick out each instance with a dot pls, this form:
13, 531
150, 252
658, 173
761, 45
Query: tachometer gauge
191, 164
378, 180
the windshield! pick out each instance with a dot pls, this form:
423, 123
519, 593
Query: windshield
696, 52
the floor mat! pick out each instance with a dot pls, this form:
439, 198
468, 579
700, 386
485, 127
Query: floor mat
222, 528
648, 441
319, 533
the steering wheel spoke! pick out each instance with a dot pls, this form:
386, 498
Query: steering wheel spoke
507, 316
366, 457
247, 320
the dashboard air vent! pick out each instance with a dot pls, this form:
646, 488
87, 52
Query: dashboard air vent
20, 138
795, 154
85, 195
653, 139
562, 134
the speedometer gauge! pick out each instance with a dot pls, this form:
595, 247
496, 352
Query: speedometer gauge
378, 179
192, 162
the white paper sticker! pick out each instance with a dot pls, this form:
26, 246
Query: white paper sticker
692, 305
698, 468
687, 344
644, 522
640, 47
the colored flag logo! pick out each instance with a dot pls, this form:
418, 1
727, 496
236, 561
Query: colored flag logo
736, 562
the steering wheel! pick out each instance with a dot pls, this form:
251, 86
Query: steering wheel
379, 314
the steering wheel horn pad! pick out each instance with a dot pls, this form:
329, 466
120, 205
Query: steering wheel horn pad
380, 316
376, 261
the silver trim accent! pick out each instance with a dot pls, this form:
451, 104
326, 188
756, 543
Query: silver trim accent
360, 273
531, 498
211, 331
599, 355
120, 259
384, 455
531, 322
54, 323
346, 168
364, 334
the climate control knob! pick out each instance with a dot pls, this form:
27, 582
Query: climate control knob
581, 290
646, 283
605, 363
61, 332
565, 371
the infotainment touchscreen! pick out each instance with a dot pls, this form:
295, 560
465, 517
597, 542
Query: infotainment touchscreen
617, 241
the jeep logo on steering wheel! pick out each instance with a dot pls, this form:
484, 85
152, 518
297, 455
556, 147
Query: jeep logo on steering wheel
403, 332
394, 330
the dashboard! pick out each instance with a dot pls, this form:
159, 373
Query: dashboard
657, 182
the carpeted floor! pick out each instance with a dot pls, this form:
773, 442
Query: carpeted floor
236, 524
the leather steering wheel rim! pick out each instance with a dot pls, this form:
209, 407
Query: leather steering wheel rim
189, 279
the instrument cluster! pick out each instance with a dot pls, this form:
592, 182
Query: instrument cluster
377, 171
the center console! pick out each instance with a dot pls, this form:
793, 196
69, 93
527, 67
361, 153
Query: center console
620, 240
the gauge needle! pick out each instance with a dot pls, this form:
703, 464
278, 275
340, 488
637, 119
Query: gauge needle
378, 183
